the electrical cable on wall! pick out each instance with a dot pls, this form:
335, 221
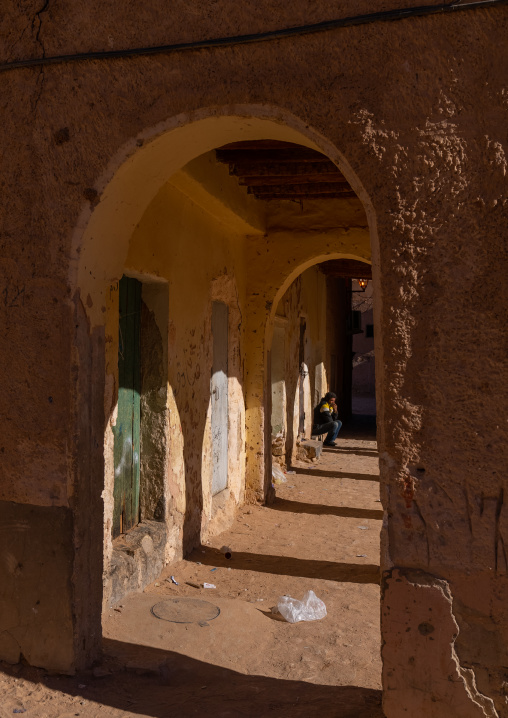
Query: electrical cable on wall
326, 25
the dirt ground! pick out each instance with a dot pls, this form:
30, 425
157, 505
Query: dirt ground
321, 533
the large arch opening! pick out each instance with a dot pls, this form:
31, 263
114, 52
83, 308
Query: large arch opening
210, 262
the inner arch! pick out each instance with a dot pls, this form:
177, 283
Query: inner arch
143, 165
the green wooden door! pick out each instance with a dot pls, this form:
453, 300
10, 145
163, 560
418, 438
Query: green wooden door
127, 429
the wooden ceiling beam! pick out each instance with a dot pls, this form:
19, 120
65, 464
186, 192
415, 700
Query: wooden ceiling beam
300, 154
282, 169
312, 187
349, 268
329, 178
260, 145
298, 197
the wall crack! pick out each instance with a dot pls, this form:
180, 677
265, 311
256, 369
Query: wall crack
39, 85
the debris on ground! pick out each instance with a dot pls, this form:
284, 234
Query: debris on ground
278, 475
310, 608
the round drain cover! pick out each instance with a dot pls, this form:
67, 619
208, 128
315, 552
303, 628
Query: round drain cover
185, 610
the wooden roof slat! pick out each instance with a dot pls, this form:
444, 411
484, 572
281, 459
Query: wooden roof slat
282, 169
260, 145
329, 178
301, 154
342, 195
312, 187
349, 268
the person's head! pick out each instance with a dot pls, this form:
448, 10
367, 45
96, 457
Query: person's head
330, 396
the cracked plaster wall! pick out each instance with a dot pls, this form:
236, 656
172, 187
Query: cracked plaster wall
414, 113
187, 260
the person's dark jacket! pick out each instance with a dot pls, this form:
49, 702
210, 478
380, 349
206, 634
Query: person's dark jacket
323, 413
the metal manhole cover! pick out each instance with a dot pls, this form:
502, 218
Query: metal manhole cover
185, 610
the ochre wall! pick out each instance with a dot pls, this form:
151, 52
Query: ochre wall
192, 239
201, 259
306, 298
414, 114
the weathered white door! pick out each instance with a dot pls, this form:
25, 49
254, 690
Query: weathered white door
219, 397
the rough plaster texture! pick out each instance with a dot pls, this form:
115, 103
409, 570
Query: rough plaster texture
126, 566
36, 588
422, 671
414, 114
138, 558
176, 362
193, 286
278, 378
154, 413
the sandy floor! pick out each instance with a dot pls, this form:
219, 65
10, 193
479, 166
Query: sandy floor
322, 533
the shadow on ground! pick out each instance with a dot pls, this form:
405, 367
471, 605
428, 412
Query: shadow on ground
351, 451
289, 566
162, 683
335, 474
296, 507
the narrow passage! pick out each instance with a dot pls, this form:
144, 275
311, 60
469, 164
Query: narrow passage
321, 533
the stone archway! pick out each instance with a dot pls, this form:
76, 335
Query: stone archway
141, 167
101, 245
418, 108
292, 270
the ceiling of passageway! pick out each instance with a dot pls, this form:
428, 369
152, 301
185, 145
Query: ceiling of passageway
274, 170
346, 268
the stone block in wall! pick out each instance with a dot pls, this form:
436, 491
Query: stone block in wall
138, 559
279, 449
308, 450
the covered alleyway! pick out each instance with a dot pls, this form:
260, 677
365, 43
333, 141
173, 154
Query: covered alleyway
321, 533
114, 176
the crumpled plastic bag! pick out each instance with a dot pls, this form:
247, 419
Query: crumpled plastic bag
278, 476
310, 608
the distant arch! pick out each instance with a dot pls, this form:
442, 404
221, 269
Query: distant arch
294, 273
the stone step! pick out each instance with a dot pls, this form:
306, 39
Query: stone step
313, 448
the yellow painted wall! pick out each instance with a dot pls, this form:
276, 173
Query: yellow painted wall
306, 298
202, 260
201, 234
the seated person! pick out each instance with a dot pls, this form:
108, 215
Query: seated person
326, 419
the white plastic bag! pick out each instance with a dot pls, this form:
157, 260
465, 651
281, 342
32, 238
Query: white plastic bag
278, 475
310, 608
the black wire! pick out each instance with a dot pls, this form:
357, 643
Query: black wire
387, 15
